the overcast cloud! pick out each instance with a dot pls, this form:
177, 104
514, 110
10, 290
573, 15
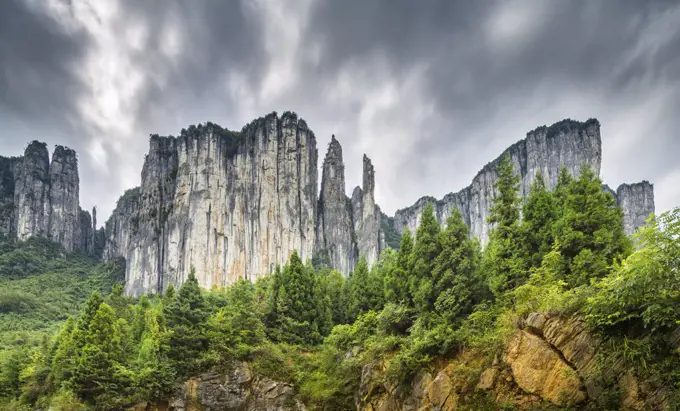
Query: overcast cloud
430, 90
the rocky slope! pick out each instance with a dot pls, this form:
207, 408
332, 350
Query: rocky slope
41, 198
567, 143
235, 204
241, 389
549, 361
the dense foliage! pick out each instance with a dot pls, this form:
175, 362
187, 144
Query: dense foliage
439, 294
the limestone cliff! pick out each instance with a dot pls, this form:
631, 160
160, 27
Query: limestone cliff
367, 216
230, 204
41, 198
567, 143
637, 202
335, 228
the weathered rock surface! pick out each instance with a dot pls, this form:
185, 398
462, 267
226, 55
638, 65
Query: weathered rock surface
367, 216
550, 360
567, 143
239, 390
232, 205
637, 202
335, 226
41, 198
235, 205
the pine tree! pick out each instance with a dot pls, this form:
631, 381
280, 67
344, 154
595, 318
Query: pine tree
72, 339
396, 280
540, 213
236, 329
454, 277
63, 354
366, 290
96, 377
502, 265
335, 285
293, 305
425, 251
155, 375
324, 315
590, 232
186, 316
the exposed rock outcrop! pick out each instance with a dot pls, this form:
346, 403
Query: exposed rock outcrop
239, 390
637, 202
335, 230
41, 198
232, 205
567, 143
367, 216
550, 360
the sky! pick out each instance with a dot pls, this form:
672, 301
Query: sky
430, 90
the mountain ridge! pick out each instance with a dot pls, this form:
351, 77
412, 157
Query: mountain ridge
234, 204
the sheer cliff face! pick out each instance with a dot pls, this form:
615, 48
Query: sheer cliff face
637, 202
231, 205
545, 149
39, 198
334, 226
234, 205
64, 188
366, 215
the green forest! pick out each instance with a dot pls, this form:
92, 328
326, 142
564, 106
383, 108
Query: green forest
71, 340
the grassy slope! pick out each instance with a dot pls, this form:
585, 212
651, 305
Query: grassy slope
41, 286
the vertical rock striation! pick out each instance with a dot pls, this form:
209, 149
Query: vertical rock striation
235, 204
32, 205
63, 196
567, 143
231, 205
335, 230
637, 202
367, 216
41, 198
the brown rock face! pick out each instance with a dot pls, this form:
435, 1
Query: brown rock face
538, 369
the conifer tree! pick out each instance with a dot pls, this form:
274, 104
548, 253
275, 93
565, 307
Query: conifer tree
293, 306
502, 264
454, 276
396, 280
186, 316
236, 329
366, 289
425, 251
324, 315
72, 339
335, 286
96, 378
63, 354
540, 213
590, 232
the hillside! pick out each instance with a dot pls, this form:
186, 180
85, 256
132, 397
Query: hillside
561, 310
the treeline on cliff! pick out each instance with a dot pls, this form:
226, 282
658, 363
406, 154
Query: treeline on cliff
562, 251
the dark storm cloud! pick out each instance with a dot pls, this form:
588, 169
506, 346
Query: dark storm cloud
494, 66
37, 70
217, 38
431, 90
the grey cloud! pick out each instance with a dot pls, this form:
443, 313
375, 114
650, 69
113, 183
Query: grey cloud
488, 94
426, 88
38, 63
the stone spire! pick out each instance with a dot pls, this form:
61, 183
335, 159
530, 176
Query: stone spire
334, 225
367, 215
